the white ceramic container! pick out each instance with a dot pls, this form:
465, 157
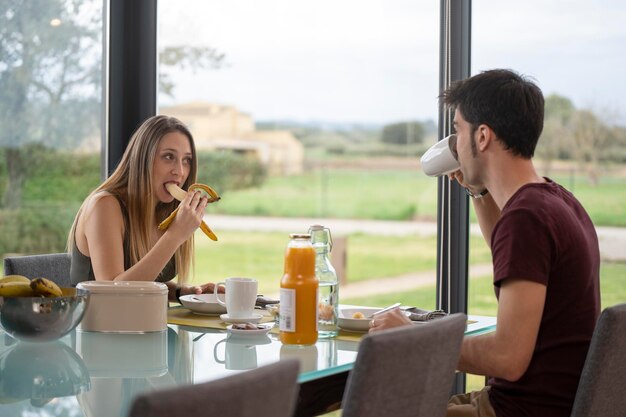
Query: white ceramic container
125, 307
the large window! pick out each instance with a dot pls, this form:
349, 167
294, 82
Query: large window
575, 54
311, 113
50, 118
574, 51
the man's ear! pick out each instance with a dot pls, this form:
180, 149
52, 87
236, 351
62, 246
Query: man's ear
485, 135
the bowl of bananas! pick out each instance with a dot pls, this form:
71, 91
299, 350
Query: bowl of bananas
38, 310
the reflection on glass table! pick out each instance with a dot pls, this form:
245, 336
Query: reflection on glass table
98, 374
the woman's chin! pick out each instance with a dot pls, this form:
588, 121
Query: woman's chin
166, 199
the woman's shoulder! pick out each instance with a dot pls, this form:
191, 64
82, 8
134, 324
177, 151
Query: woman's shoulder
104, 204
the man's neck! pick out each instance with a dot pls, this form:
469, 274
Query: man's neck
508, 175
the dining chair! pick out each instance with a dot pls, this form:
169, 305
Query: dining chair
603, 379
268, 391
405, 371
54, 266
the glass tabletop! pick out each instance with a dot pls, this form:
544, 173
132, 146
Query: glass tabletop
99, 374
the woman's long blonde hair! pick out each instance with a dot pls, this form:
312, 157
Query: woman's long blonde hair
132, 182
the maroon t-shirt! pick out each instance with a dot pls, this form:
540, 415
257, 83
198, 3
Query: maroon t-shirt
545, 235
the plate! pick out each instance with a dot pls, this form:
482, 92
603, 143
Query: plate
346, 321
252, 333
204, 304
254, 319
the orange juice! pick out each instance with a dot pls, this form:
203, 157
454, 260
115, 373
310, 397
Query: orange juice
299, 293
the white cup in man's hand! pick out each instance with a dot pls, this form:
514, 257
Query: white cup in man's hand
240, 297
441, 158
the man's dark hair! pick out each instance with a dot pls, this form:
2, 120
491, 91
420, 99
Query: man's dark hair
509, 103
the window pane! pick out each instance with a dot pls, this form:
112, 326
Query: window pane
579, 68
574, 51
315, 112
50, 113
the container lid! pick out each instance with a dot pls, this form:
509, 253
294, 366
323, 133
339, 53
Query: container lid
123, 287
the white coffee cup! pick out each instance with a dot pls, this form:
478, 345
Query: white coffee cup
240, 297
238, 356
441, 158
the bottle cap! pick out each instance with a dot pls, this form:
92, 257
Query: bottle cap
300, 236
320, 235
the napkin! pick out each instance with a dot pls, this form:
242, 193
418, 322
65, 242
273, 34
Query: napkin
417, 314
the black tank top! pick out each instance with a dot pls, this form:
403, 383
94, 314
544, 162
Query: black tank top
82, 270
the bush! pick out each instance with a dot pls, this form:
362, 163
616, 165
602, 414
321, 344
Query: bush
32, 230
230, 171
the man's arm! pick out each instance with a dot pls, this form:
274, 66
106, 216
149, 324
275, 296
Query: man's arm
488, 214
506, 353
487, 211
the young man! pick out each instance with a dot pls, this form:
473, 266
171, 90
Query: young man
546, 259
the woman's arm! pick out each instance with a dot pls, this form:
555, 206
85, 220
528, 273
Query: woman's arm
104, 232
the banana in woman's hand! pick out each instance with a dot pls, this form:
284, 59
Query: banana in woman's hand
180, 194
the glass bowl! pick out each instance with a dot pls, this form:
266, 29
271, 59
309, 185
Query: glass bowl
39, 319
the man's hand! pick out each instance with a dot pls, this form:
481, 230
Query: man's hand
201, 289
392, 318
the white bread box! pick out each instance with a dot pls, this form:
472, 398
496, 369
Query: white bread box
125, 306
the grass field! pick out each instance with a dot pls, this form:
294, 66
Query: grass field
261, 255
391, 195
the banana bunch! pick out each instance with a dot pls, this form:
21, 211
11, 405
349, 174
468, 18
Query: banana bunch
180, 194
20, 286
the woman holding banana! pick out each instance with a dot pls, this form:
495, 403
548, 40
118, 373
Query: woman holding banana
115, 235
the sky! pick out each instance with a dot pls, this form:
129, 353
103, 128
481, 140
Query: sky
366, 61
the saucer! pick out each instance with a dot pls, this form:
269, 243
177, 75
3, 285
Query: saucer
203, 304
254, 319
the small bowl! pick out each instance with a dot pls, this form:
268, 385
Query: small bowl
203, 304
347, 322
39, 319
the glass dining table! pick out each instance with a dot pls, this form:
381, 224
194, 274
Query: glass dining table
98, 374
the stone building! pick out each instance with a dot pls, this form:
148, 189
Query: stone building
218, 127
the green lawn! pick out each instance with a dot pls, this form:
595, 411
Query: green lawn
390, 195
260, 255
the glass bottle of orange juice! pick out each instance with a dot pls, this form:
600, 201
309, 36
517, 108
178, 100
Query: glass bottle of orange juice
299, 293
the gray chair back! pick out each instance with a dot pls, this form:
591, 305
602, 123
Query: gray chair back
603, 379
54, 266
405, 371
268, 391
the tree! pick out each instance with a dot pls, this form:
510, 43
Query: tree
590, 137
49, 70
556, 136
186, 57
50, 79
403, 133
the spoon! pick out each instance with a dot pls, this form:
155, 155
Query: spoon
394, 305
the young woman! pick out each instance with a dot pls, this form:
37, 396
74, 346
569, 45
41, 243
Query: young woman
115, 234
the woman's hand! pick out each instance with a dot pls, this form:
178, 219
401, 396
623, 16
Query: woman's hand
392, 318
190, 214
